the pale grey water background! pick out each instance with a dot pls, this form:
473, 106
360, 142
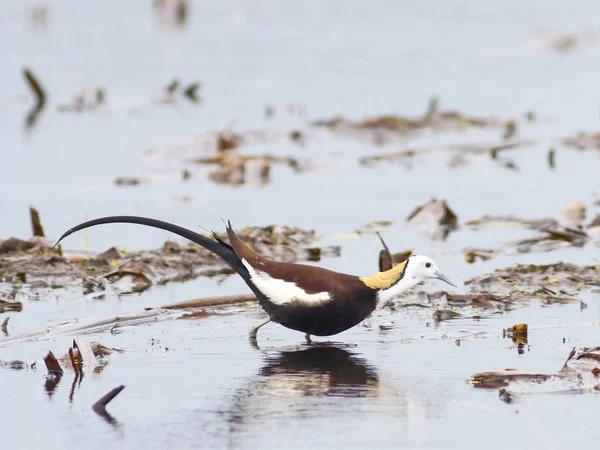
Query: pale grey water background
211, 390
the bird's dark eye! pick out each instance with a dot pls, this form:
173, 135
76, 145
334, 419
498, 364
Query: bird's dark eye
428, 265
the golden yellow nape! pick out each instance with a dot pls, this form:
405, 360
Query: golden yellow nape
385, 280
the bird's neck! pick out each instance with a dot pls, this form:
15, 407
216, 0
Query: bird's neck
400, 287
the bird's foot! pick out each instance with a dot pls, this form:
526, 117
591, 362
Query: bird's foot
254, 330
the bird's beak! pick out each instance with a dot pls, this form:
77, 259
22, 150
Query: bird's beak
440, 276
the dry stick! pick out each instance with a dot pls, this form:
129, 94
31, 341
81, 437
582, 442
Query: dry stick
40, 96
4, 326
210, 301
569, 358
100, 406
36, 224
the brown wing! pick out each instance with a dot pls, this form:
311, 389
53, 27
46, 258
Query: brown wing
310, 278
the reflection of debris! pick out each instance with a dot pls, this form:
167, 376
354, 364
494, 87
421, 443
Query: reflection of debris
40, 98
434, 218
579, 374
87, 99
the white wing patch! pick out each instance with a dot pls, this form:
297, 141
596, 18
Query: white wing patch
280, 291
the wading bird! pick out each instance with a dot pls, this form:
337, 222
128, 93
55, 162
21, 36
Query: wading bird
304, 298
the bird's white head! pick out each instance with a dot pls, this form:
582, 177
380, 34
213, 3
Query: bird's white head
421, 268
414, 270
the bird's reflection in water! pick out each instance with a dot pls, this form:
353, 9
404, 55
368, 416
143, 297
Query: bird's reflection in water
296, 379
317, 370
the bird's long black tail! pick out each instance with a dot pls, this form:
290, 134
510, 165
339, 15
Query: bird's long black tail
217, 246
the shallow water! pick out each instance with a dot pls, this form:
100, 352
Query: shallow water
404, 386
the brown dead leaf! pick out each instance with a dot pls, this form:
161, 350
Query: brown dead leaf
52, 364
434, 218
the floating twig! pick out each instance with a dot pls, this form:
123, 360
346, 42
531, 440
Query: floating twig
100, 406
4, 326
210, 301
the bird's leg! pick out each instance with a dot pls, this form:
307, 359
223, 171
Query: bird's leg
254, 329
307, 337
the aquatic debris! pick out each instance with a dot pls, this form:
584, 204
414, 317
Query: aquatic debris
173, 13
227, 140
374, 227
36, 223
127, 181
385, 126
551, 235
40, 98
87, 99
100, 406
565, 41
518, 334
169, 93
236, 170
52, 364
209, 301
35, 262
494, 380
574, 213
440, 315
387, 259
580, 374
434, 218
4, 326
408, 155
17, 365
583, 140
8, 304
74, 327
